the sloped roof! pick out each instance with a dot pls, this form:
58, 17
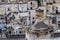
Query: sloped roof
41, 25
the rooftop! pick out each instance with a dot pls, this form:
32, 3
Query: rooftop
41, 25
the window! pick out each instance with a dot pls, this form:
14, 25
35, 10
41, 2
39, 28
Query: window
9, 32
50, 3
24, 23
31, 7
47, 10
56, 11
20, 32
58, 25
8, 14
31, 3
8, 9
33, 22
13, 17
54, 2
47, 3
2, 18
0, 31
54, 20
33, 18
58, 21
